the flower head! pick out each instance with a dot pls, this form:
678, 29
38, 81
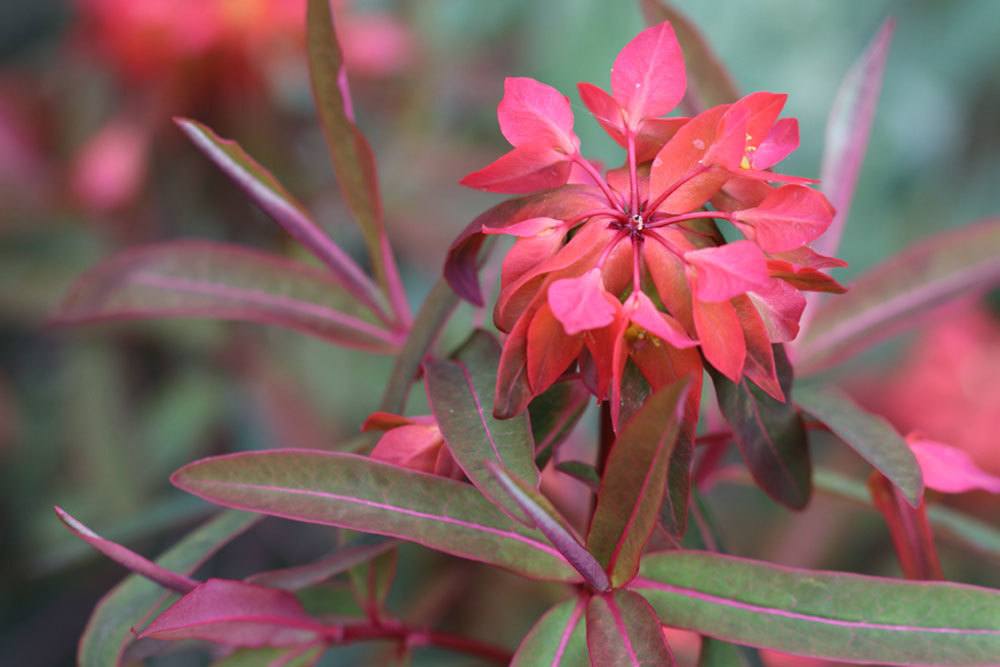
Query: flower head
629, 265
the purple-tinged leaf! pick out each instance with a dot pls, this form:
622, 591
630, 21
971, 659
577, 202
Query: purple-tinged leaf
201, 279
871, 436
551, 524
563, 203
770, 435
554, 414
847, 131
234, 613
895, 294
709, 82
350, 491
340, 561
272, 198
353, 160
460, 392
832, 615
558, 639
622, 629
909, 529
128, 604
128, 558
634, 483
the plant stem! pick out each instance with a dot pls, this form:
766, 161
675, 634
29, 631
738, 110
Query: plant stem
607, 438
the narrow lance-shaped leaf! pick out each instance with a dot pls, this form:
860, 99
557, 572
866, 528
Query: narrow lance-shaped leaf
460, 392
869, 435
234, 613
830, 615
709, 82
554, 414
953, 264
558, 639
622, 629
770, 435
221, 281
554, 527
128, 604
265, 191
634, 483
128, 558
340, 561
909, 529
350, 491
847, 130
353, 160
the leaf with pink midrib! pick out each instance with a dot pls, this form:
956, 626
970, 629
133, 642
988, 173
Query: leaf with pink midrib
211, 280
358, 493
557, 639
832, 615
622, 629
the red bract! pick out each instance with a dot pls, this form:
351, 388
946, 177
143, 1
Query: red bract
629, 264
412, 442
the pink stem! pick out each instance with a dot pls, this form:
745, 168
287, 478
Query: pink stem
695, 215
636, 273
613, 200
698, 170
632, 172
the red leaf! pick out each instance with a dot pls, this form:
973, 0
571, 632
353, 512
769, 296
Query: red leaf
237, 614
678, 159
126, 557
640, 310
790, 217
647, 78
582, 303
525, 169
532, 112
721, 337
562, 204
727, 271
780, 306
759, 367
949, 469
911, 533
653, 133
550, 350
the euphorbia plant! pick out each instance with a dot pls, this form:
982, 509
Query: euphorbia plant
620, 286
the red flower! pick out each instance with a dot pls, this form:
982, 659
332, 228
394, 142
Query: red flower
629, 265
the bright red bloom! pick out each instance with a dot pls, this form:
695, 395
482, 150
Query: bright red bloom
629, 266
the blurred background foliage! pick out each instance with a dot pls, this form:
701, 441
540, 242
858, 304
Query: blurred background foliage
96, 419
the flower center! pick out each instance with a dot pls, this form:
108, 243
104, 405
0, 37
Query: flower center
636, 223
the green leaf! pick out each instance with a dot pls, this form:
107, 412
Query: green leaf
460, 392
869, 435
350, 491
708, 79
558, 639
634, 483
128, 604
715, 653
343, 559
201, 279
554, 414
892, 296
823, 614
947, 522
622, 629
272, 657
770, 434
353, 160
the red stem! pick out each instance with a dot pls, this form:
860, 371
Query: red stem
698, 170
632, 171
613, 200
695, 215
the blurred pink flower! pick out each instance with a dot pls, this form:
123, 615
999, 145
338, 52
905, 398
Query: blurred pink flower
110, 169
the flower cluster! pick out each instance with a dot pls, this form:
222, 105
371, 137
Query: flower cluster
630, 265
